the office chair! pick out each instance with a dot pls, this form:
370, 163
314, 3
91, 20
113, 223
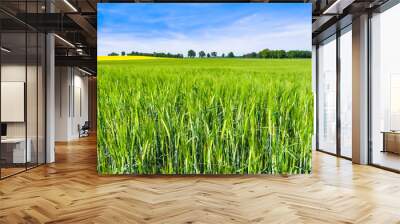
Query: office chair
84, 130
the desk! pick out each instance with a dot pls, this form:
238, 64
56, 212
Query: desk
13, 150
391, 141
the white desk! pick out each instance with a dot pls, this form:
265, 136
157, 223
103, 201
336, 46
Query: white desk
18, 144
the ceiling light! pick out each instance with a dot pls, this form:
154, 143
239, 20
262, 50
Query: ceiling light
64, 40
333, 6
70, 5
79, 51
337, 7
5, 50
86, 72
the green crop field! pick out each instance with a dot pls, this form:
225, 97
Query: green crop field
205, 116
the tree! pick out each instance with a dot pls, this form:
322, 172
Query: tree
266, 53
191, 53
208, 55
156, 54
123, 53
251, 55
113, 54
231, 55
202, 54
298, 54
223, 55
281, 54
214, 54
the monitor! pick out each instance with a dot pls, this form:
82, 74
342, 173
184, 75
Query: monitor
3, 129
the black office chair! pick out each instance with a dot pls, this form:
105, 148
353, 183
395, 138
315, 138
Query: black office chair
84, 130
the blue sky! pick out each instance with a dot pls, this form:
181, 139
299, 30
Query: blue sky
176, 28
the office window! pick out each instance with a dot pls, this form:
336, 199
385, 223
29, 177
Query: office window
346, 92
327, 95
385, 88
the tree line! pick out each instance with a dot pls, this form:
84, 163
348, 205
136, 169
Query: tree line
154, 54
266, 53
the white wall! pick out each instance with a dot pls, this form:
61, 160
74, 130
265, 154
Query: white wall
62, 82
70, 83
81, 85
33, 126
17, 72
14, 72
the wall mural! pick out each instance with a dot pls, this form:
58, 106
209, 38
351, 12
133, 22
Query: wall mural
204, 88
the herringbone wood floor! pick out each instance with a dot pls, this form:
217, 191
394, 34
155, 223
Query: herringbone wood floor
70, 191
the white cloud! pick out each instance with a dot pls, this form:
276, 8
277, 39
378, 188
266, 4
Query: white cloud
251, 33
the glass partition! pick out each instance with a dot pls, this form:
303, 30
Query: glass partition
22, 77
14, 153
327, 96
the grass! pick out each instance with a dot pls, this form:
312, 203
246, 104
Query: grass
205, 116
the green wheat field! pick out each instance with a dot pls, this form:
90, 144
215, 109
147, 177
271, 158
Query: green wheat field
205, 116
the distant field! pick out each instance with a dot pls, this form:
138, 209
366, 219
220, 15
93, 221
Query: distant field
124, 58
204, 116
